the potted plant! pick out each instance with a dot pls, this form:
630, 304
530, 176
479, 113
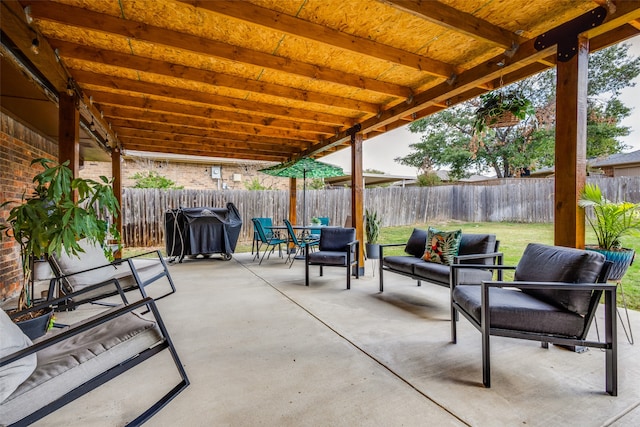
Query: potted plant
372, 230
610, 222
500, 108
59, 211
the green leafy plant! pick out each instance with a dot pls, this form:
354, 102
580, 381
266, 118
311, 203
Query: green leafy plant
152, 179
495, 104
51, 219
610, 220
372, 226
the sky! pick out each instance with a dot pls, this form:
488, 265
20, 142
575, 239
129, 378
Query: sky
378, 152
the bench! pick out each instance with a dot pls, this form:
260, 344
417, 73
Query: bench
37, 378
474, 249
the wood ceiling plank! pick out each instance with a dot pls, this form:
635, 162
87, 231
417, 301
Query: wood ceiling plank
145, 88
83, 18
297, 27
149, 116
126, 125
111, 99
76, 51
453, 19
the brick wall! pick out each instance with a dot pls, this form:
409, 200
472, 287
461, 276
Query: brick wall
18, 146
190, 175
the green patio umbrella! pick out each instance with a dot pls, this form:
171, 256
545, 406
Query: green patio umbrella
304, 168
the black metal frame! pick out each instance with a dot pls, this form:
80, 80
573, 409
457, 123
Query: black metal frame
497, 256
352, 259
110, 373
610, 340
59, 280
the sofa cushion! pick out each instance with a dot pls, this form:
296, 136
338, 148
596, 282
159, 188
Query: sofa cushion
542, 263
402, 263
12, 339
512, 309
471, 244
432, 271
416, 243
442, 246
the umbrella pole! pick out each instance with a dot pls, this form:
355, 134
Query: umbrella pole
304, 198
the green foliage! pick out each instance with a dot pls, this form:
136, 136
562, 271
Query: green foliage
428, 179
316, 184
49, 220
450, 140
495, 103
611, 220
152, 179
375, 171
372, 226
255, 185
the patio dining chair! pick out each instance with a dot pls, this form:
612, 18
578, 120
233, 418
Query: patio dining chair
301, 245
552, 299
257, 242
314, 233
271, 240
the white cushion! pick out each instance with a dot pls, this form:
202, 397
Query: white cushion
12, 339
92, 257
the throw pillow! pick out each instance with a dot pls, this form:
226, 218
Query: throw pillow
442, 246
13, 339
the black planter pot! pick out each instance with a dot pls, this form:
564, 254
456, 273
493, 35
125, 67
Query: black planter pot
373, 250
36, 327
621, 260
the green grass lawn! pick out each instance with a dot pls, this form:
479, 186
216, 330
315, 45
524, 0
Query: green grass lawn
513, 237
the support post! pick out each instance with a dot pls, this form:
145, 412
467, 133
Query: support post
116, 173
357, 195
571, 147
69, 131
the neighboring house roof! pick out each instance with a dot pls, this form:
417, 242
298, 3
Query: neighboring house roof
616, 160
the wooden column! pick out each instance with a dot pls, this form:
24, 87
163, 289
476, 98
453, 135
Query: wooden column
357, 194
571, 147
293, 194
116, 173
69, 132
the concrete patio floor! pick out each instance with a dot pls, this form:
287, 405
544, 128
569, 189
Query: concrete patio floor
260, 348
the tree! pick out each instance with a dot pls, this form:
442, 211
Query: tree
255, 184
152, 179
449, 141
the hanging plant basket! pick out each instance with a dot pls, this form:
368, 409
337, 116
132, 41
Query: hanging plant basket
507, 118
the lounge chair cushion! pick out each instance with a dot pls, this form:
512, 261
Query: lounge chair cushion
69, 364
12, 339
569, 265
416, 243
519, 311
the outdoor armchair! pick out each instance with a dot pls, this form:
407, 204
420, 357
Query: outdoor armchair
42, 376
552, 299
338, 247
73, 273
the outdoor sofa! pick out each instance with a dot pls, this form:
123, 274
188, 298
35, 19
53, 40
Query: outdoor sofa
473, 249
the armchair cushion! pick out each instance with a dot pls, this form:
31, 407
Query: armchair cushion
519, 311
336, 258
12, 339
416, 243
569, 265
336, 239
442, 246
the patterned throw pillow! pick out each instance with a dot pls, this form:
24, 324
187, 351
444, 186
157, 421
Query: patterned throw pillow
442, 246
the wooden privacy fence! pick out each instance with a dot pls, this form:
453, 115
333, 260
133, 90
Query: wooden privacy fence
513, 200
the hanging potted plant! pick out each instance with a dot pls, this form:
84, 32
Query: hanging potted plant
372, 230
611, 221
501, 108
49, 220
